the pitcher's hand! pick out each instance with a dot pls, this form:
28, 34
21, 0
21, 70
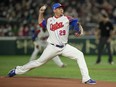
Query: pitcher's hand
42, 9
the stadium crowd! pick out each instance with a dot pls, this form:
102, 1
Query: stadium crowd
19, 17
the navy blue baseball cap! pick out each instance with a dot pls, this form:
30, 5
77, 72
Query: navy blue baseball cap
56, 5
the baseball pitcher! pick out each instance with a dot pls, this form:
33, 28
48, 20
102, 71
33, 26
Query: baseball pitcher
58, 28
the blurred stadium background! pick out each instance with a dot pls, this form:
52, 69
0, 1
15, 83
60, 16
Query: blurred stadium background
18, 18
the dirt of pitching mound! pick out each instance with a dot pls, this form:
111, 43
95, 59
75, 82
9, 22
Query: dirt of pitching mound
48, 82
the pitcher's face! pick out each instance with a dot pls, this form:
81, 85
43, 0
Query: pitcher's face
58, 11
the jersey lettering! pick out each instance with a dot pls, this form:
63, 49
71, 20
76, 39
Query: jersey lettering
62, 32
56, 26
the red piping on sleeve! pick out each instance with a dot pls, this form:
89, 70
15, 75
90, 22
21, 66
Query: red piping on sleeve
41, 25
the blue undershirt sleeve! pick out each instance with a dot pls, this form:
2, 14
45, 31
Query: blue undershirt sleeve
74, 24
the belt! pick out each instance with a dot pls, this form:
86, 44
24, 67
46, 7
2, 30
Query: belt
60, 46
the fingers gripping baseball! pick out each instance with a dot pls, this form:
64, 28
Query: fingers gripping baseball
42, 9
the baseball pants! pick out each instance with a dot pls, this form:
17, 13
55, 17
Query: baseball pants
50, 52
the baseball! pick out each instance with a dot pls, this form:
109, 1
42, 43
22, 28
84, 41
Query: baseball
44, 7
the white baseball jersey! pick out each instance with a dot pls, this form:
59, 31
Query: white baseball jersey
41, 37
58, 29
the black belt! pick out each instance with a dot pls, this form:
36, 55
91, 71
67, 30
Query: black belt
60, 46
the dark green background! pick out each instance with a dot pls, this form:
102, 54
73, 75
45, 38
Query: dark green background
22, 46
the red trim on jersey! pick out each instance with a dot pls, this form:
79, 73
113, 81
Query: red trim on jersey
41, 25
69, 18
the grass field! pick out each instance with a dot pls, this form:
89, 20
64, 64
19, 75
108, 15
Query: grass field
103, 71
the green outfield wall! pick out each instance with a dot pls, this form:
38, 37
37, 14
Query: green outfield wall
24, 45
